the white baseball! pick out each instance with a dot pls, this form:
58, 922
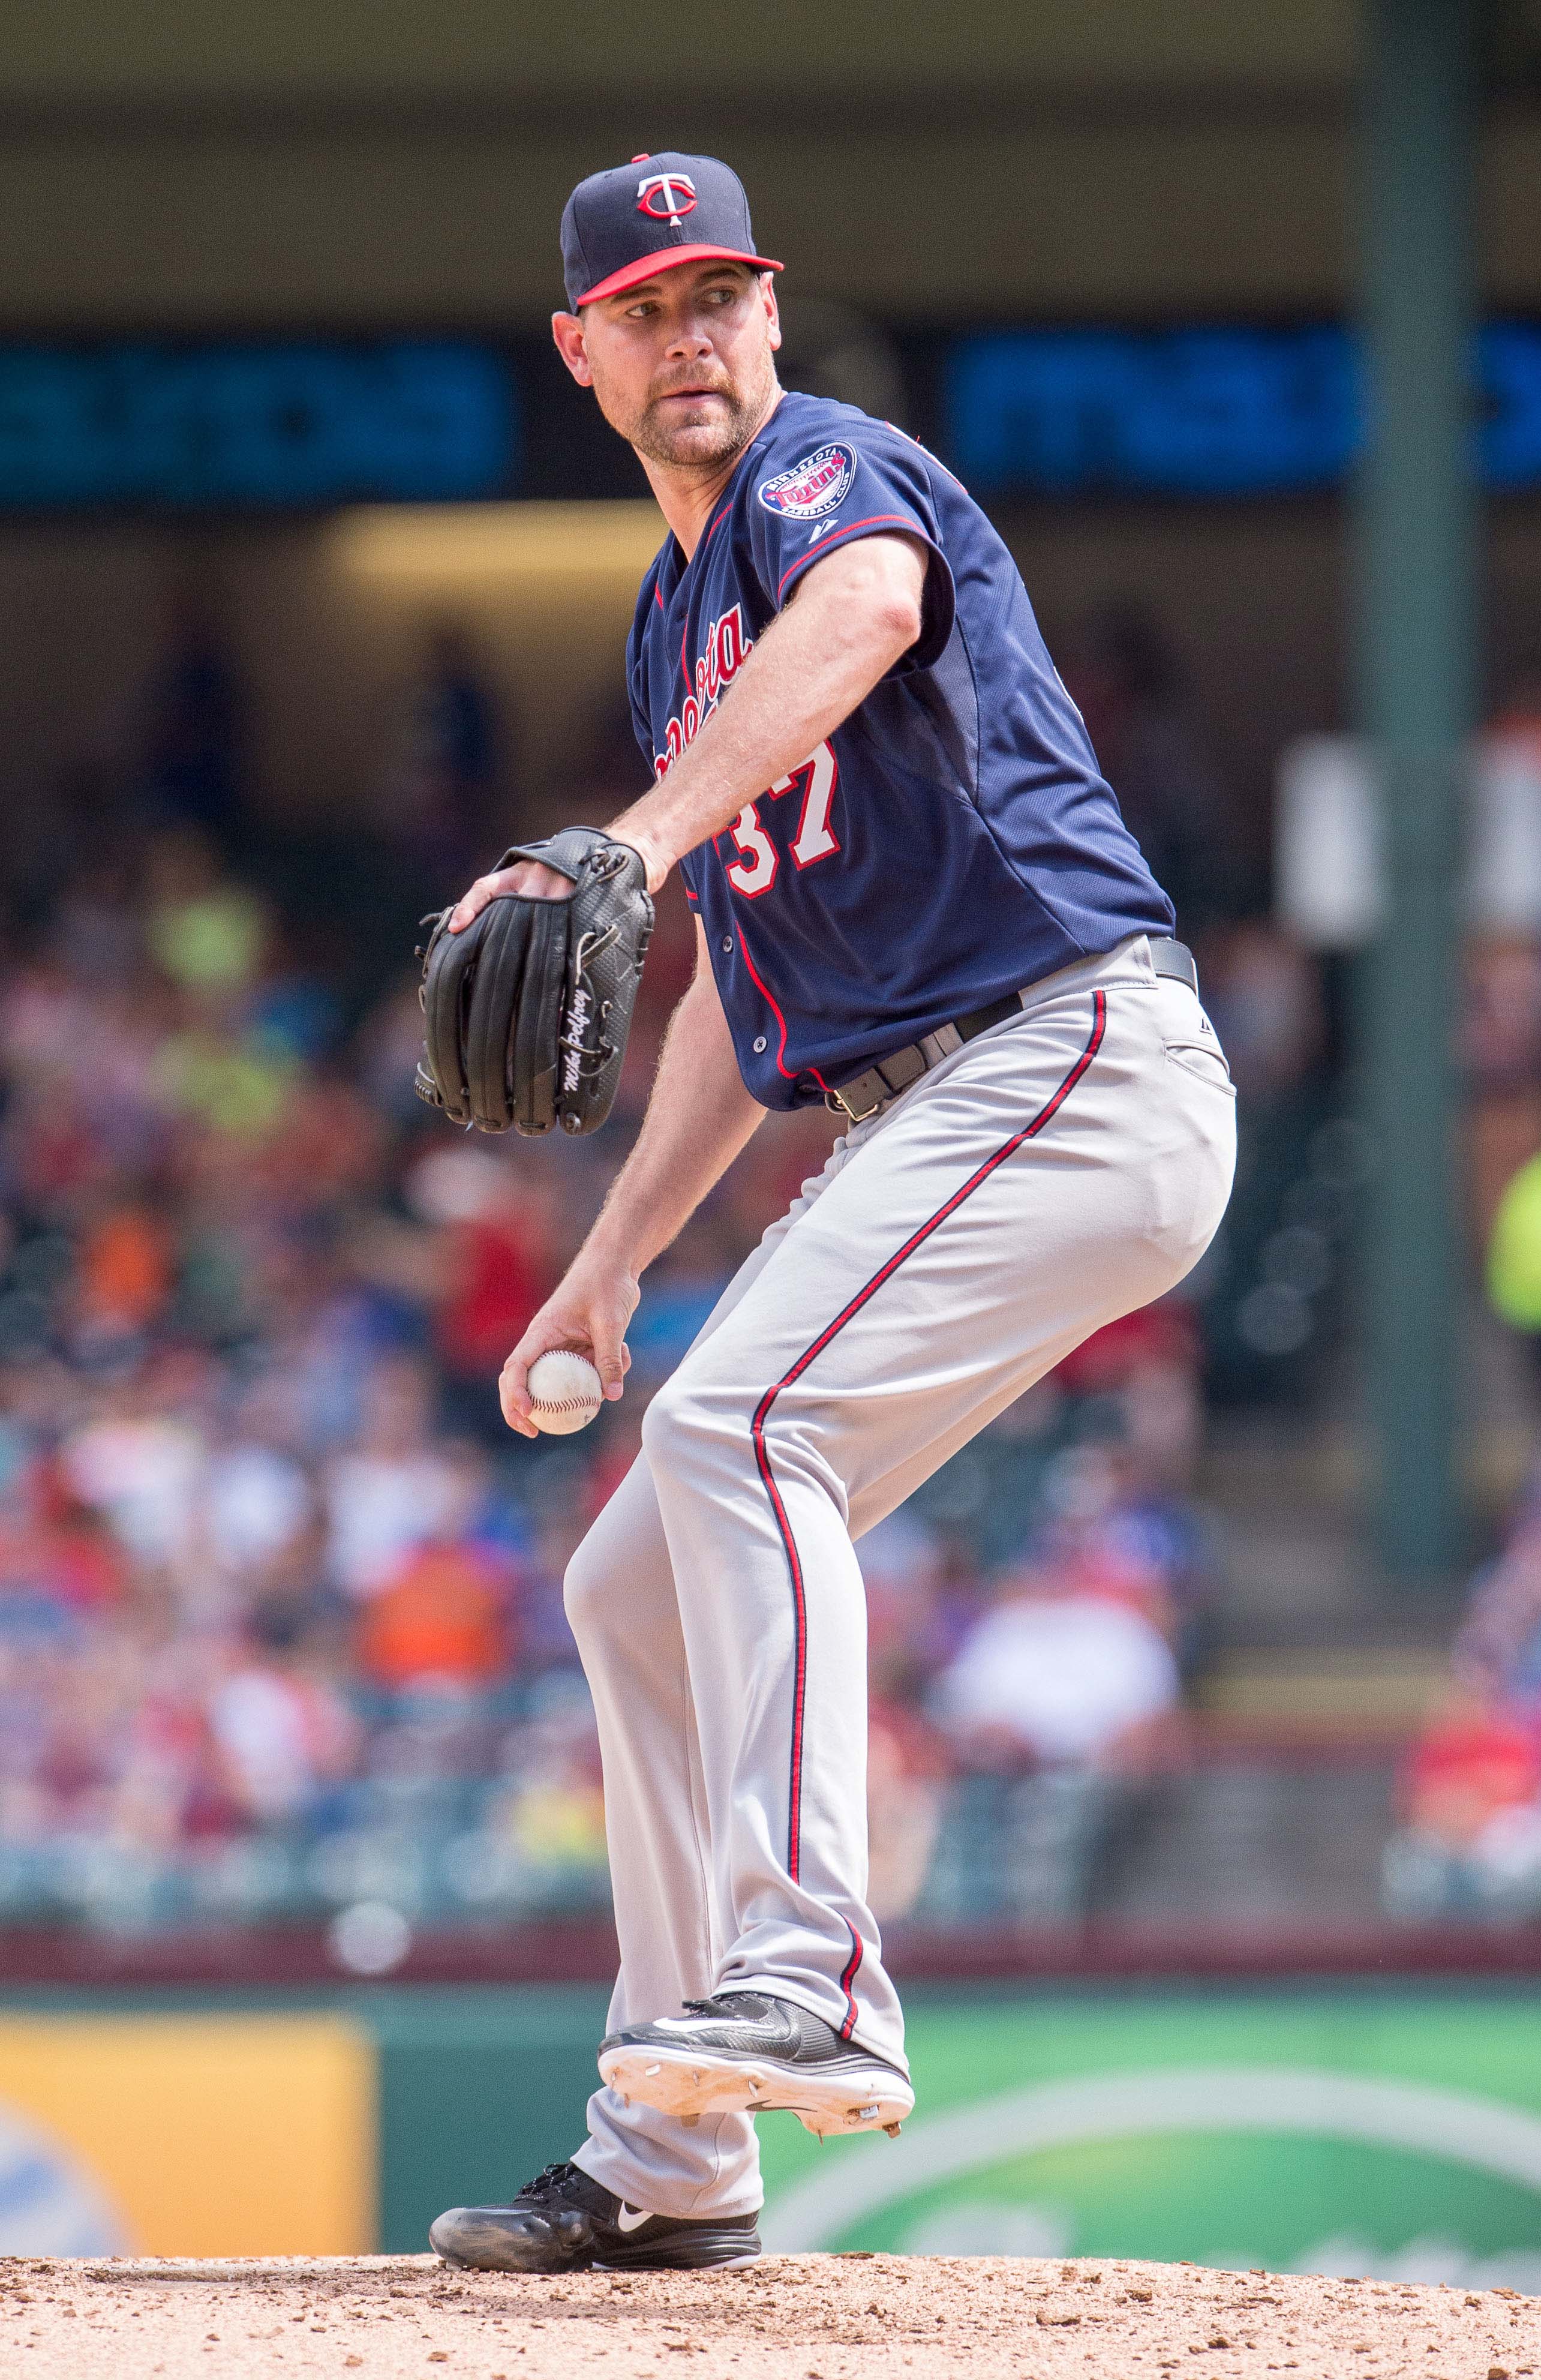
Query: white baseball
564, 1392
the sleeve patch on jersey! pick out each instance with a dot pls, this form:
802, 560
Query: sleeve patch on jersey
815, 485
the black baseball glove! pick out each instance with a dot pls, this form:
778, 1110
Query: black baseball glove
529, 1009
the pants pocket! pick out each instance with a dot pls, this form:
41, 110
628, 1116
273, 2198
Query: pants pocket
1205, 1061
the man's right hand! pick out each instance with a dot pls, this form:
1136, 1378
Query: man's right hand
588, 1310
530, 876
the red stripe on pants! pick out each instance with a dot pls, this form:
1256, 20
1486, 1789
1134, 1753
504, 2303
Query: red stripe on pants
831, 1331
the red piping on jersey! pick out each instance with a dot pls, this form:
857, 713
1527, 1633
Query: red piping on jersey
831, 1331
848, 1979
873, 520
783, 1068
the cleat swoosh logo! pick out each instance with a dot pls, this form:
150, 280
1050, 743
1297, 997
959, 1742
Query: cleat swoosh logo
631, 2218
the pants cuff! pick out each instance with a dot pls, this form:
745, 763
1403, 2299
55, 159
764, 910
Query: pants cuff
775, 1987
630, 2183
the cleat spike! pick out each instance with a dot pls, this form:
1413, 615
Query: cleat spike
892, 2131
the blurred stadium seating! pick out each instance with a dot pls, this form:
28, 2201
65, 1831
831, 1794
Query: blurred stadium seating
313, 577
281, 1631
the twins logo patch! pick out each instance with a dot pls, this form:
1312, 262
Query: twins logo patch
814, 485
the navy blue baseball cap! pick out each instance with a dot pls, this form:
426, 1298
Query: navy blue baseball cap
624, 225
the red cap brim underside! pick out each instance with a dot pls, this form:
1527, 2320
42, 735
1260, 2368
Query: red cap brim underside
663, 260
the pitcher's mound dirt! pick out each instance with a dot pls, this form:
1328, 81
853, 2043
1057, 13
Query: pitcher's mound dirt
787, 2318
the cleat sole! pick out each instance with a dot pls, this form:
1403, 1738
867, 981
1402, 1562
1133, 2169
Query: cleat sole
689, 2086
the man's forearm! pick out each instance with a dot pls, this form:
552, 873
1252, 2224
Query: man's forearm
819, 658
698, 1117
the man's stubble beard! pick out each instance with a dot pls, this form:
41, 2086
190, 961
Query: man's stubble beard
705, 447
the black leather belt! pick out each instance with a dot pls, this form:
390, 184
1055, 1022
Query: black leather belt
884, 1081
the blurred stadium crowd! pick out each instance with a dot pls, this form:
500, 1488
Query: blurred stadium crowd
1468, 1844
281, 1626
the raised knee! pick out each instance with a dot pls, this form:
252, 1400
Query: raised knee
686, 1415
587, 1587
659, 1421
669, 1418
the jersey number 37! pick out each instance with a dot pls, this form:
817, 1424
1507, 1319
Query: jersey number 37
753, 872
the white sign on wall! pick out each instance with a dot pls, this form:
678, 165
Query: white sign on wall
1329, 840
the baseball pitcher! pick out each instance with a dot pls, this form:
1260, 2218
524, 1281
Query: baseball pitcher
915, 901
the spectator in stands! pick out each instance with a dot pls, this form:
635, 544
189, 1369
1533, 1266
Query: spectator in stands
138, 1460
448, 1611
550, 1809
281, 1727
206, 931
1471, 1763
908, 1762
903, 1567
440, 1615
491, 1262
1470, 1793
1059, 1672
393, 1488
258, 1518
1497, 1654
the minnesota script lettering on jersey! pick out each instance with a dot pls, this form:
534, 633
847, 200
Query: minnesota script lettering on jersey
721, 657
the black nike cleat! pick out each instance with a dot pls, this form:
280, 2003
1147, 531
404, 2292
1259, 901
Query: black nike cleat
742, 2050
563, 2221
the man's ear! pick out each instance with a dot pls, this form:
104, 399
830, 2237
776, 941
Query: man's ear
567, 331
768, 285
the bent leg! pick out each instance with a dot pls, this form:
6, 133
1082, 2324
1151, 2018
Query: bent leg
1050, 1177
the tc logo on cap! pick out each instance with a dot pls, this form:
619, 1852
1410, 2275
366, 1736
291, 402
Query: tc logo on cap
666, 197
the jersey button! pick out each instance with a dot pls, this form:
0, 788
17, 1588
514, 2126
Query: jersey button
760, 1044
727, 941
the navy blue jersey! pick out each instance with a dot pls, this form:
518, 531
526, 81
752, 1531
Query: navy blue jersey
951, 840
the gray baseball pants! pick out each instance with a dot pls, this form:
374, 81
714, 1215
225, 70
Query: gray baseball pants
1066, 1167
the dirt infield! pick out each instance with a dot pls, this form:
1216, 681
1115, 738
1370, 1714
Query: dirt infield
851, 2317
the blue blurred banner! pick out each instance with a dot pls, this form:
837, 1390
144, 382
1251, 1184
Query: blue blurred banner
1190, 411
1198, 412
1511, 387
249, 426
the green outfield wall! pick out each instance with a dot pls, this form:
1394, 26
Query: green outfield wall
1362, 2129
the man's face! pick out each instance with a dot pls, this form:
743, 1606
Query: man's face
681, 365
